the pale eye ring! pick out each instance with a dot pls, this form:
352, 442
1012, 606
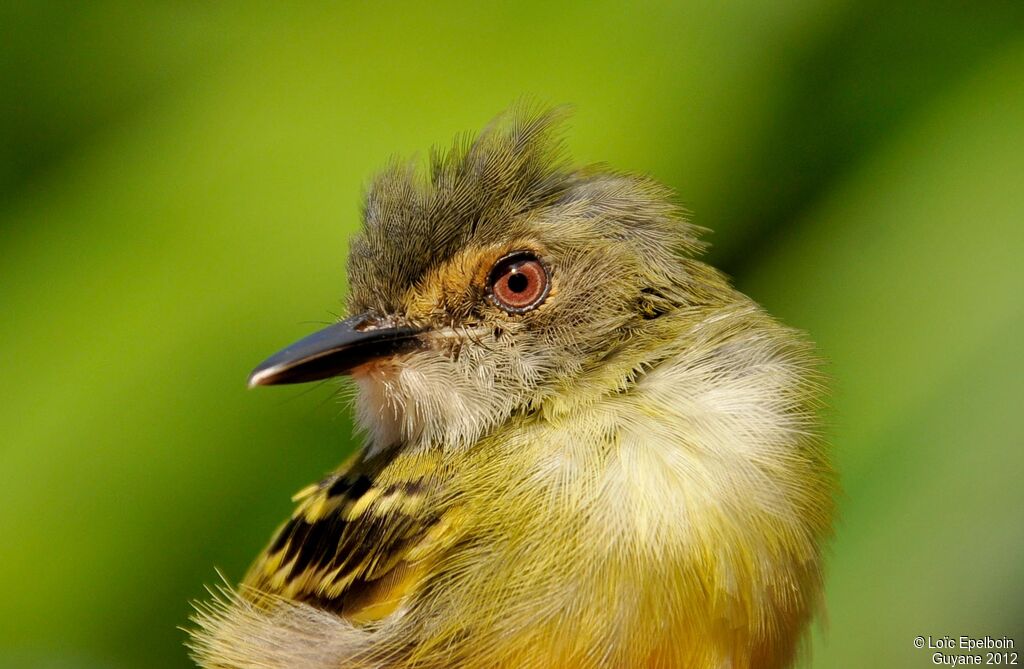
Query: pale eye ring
518, 282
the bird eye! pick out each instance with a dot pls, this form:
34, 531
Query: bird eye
518, 282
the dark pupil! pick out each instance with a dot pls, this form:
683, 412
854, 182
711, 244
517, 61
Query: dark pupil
517, 283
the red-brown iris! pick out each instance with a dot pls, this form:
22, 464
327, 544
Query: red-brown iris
518, 282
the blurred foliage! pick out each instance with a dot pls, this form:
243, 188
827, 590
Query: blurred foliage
177, 182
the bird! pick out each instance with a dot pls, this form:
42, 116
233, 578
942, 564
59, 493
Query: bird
583, 447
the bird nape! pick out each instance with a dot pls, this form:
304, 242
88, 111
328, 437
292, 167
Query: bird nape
583, 447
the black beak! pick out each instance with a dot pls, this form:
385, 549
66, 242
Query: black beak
335, 350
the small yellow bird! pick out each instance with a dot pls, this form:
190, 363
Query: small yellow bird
584, 448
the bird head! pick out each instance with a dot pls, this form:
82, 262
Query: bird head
503, 283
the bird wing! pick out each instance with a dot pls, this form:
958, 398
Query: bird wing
358, 543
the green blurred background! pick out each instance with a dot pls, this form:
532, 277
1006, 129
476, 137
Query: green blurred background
178, 182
